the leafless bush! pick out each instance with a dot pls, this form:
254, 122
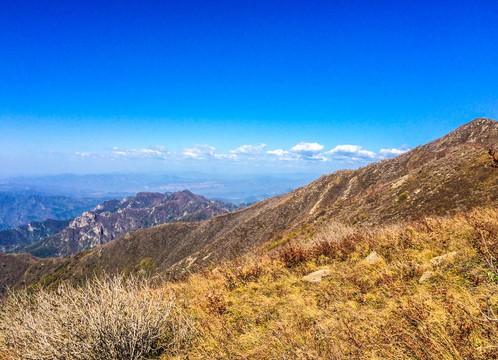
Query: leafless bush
112, 318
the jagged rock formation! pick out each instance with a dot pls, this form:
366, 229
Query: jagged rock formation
114, 218
448, 175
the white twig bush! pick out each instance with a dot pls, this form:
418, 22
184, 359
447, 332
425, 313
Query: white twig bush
108, 319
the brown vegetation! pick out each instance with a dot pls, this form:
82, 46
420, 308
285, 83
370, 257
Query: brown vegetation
491, 153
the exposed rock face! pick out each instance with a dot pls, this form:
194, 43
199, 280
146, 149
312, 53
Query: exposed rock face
114, 218
448, 175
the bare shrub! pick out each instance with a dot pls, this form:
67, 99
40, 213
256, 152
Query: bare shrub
293, 255
216, 303
112, 318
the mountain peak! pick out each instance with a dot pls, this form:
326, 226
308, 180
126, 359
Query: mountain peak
481, 131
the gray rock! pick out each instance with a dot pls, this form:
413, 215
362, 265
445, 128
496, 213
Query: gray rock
445, 259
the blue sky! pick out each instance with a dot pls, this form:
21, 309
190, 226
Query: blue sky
237, 87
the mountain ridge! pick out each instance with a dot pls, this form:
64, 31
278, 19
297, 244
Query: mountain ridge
12, 239
21, 208
447, 175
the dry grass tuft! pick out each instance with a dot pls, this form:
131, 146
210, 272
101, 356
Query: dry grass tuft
107, 319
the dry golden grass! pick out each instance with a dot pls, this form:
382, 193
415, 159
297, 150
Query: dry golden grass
259, 307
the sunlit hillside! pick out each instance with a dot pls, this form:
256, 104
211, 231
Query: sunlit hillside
412, 290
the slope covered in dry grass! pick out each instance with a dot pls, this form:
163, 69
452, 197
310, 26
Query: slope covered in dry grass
260, 307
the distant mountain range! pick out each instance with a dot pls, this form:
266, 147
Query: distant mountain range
109, 220
231, 188
446, 176
15, 238
22, 207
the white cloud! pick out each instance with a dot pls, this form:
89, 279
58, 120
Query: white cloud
350, 152
83, 154
159, 152
199, 152
225, 156
307, 149
278, 152
249, 149
301, 151
282, 154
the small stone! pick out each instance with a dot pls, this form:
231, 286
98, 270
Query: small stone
443, 259
426, 276
373, 258
317, 275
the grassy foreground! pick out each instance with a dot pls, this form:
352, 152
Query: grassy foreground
367, 306
261, 308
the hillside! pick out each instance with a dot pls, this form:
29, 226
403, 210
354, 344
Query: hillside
413, 290
448, 175
422, 289
114, 218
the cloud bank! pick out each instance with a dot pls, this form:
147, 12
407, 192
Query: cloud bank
301, 152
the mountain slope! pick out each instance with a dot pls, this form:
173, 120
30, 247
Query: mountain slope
114, 218
447, 175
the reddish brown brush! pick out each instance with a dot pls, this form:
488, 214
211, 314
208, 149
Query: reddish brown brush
491, 153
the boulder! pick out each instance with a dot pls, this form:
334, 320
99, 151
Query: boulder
445, 259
